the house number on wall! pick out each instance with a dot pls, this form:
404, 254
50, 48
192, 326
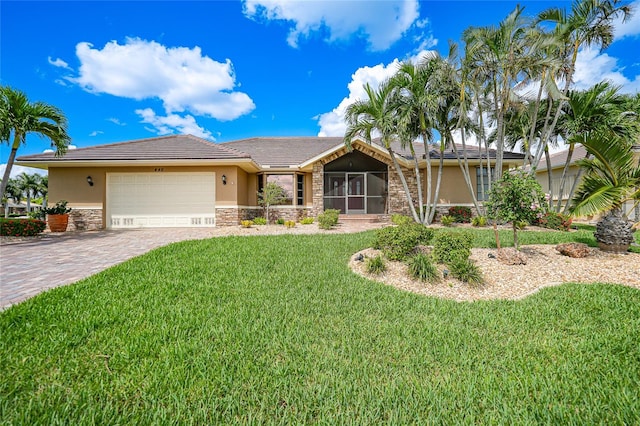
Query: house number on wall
159, 169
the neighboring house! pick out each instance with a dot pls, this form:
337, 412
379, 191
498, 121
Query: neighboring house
187, 181
558, 161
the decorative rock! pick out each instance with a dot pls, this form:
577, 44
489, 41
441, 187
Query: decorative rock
359, 257
491, 256
511, 256
577, 250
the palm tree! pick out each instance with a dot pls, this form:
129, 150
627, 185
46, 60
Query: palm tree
43, 190
29, 185
19, 117
598, 108
377, 114
611, 178
14, 192
590, 23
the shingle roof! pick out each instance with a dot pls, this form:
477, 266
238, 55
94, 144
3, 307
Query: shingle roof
176, 147
559, 158
284, 151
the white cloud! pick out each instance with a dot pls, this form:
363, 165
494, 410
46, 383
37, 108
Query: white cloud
16, 170
58, 63
116, 121
381, 23
173, 123
96, 133
181, 77
593, 67
630, 28
332, 123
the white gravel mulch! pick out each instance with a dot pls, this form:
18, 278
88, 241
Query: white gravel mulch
545, 267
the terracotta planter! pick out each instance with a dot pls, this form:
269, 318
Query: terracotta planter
58, 222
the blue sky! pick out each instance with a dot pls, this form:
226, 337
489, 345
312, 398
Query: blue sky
227, 70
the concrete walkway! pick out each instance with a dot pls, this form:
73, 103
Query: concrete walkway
30, 266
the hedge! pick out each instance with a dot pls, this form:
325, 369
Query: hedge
21, 227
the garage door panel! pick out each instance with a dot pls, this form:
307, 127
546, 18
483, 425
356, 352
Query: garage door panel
160, 199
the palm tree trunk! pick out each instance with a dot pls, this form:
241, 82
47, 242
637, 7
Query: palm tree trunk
416, 167
563, 179
7, 170
547, 158
573, 187
404, 184
465, 170
427, 213
438, 181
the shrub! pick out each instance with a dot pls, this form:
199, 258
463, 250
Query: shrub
400, 219
460, 214
397, 242
246, 223
280, 221
553, 220
21, 227
466, 271
521, 224
290, 224
59, 208
260, 221
447, 220
307, 221
479, 221
449, 246
328, 219
376, 265
422, 267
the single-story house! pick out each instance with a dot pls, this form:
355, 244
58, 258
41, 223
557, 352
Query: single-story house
558, 161
183, 180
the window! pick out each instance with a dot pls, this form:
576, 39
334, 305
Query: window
285, 181
300, 190
482, 184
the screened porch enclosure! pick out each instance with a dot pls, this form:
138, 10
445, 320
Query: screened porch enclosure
356, 184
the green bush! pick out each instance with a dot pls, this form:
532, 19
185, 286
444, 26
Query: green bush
376, 265
479, 221
447, 220
280, 221
307, 221
422, 267
21, 227
398, 242
553, 220
328, 219
466, 271
246, 223
400, 219
260, 221
449, 246
460, 214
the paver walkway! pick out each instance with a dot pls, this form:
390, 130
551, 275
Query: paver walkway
32, 265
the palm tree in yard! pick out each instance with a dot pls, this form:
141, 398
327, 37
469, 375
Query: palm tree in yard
611, 178
589, 24
29, 184
377, 115
19, 117
14, 192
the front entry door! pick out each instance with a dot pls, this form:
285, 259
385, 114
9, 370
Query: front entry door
356, 193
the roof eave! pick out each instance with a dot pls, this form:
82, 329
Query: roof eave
246, 164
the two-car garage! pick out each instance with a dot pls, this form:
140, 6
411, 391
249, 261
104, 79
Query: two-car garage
158, 199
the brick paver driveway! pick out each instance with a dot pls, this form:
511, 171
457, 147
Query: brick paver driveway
33, 265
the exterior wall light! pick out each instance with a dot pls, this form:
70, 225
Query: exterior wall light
224, 179
89, 181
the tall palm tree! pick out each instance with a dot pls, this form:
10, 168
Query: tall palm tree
43, 190
611, 178
29, 184
599, 108
14, 192
19, 117
377, 115
590, 23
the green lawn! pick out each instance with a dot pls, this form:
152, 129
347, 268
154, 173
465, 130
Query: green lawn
277, 330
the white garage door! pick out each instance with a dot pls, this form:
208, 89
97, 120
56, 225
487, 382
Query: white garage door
160, 200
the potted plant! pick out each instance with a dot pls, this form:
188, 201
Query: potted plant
58, 216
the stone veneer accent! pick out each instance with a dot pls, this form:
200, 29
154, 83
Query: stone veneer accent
397, 202
85, 220
232, 216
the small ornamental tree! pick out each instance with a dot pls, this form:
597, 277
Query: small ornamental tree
516, 197
271, 195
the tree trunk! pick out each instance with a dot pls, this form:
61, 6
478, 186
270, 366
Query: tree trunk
547, 158
465, 171
573, 187
437, 191
404, 184
515, 235
613, 232
7, 170
563, 179
427, 153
